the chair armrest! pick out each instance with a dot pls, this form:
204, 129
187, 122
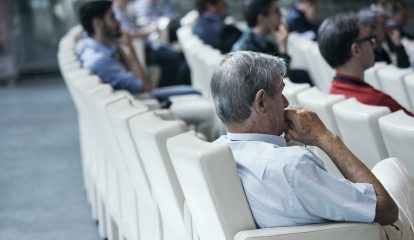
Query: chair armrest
337, 231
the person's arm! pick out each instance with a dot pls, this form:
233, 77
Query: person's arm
306, 127
403, 60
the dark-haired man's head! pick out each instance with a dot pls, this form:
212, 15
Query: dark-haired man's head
216, 7
374, 19
342, 40
264, 13
98, 20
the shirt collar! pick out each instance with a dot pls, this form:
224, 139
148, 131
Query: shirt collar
268, 138
341, 75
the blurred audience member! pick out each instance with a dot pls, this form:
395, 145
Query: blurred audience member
100, 51
348, 47
266, 34
398, 17
302, 18
210, 26
389, 47
174, 69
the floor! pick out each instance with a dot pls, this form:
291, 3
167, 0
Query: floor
41, 186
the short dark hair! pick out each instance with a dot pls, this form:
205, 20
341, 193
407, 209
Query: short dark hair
254, 8
201, 4
90, 10
336, 36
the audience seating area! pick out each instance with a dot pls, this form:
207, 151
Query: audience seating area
147, 177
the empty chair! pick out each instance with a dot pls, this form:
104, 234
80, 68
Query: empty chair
208, 176
393, 175
358, 127
140, 214
292, 89
409, 84
151, 133
392, 83
371, 75
321, 103
398, 132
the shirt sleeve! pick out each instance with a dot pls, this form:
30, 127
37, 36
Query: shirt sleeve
113, 72
327, 197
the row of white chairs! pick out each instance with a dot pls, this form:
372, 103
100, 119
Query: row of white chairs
138, 192
371, 132
396, 82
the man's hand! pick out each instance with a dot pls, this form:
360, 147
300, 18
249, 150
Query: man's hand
304, 126
395, 37
281, 35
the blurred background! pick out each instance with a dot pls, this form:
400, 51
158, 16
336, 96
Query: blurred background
30, 29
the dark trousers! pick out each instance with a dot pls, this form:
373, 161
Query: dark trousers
174, 69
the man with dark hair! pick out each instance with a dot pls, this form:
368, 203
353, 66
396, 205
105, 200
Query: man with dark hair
100, 51
302, 18
389, 48
289, 185
210, 26
266, 34
348, 47
264, 20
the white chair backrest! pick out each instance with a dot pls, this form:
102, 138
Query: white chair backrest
393, 175
321, 103
151, 133
322, 72
212, 188
358, 127
409, 84
398, 132
189, 18
392, 83
122, 116
409, 48
371, 75
291, 90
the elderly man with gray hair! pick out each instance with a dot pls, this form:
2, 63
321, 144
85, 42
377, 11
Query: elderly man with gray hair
289, 185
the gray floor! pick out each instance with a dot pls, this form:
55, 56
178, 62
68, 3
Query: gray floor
41, 186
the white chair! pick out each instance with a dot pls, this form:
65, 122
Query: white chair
371, 75
151, 133
393, 175
292, 89
409, 48
409, 84
108, 165
140, 214
321, 103
392, 83
208, 176
398, 132
358, 127
322, 72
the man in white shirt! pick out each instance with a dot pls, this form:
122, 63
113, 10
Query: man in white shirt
289, 185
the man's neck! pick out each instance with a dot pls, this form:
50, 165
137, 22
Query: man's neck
351, 70
103, 40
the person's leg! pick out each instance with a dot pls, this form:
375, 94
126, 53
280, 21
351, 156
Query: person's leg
170, 62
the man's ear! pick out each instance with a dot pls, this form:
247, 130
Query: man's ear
355, 50
259, 104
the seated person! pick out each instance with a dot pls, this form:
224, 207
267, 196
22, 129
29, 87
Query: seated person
266, 34
398, 16
389, 48
289, 185
174, 69
348, 47
210, 26
101, 53
302, 18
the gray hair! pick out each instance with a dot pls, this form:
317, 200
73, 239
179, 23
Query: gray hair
237, 79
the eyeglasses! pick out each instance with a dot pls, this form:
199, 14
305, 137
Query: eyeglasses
371, 38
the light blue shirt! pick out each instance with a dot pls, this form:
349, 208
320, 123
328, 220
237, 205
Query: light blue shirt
102, 61
289, 185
